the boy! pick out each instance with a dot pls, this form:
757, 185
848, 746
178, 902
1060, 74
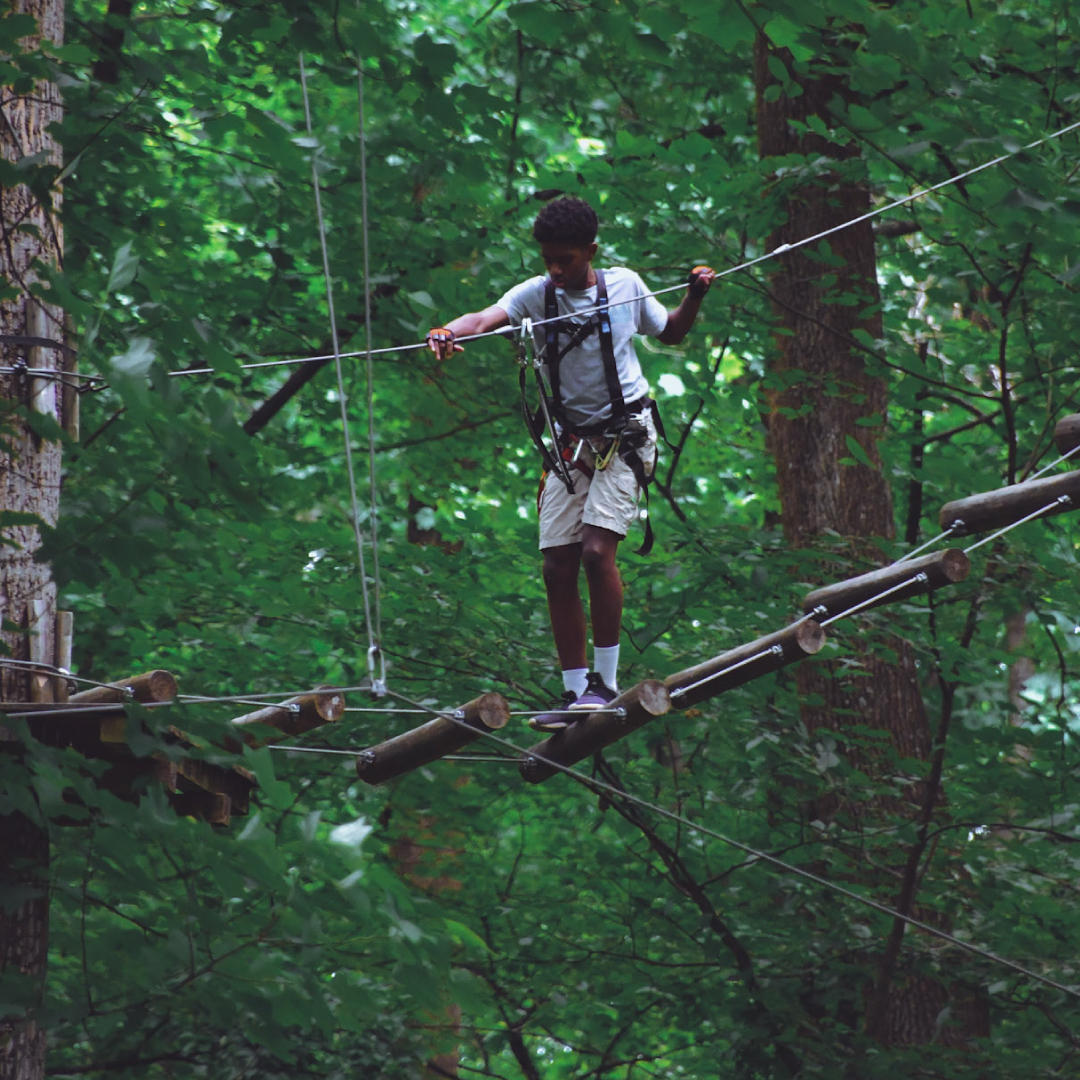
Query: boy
603, 410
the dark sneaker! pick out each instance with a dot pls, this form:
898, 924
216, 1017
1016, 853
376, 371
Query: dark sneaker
597, 694
558, 720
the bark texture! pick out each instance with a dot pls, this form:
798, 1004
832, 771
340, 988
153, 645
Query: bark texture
29, 484
821, 385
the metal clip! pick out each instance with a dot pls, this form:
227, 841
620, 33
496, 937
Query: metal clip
378, 684
524, 340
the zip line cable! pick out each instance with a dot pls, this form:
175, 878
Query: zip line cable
373, 645
782, 249
603, 787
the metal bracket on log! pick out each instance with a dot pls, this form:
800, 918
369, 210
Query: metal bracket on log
747, 662
887, 585
433, 740
995, 509
629, 711
297, 715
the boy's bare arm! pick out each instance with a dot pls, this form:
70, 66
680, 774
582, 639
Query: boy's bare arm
682, 318
442, 340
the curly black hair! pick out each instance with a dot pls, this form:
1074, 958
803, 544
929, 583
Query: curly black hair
568, 220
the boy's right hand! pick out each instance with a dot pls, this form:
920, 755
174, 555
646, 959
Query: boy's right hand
442, 342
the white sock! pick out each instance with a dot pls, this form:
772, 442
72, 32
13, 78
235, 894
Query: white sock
606, 663
575, 679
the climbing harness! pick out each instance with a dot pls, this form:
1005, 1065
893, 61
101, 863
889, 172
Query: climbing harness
624, 433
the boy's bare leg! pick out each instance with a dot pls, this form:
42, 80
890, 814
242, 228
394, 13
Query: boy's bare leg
561, 568
598, 549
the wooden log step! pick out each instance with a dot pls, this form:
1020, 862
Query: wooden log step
747, 662
594, 731
433, 740
1067, 434
151, 687
297, 715
922, 575
995, 509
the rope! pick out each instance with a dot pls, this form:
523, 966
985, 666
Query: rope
373, 499
601, 786
782, 249
52, 669
922, 547
373, 647
1047, 468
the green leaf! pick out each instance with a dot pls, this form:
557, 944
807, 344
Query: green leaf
857, 451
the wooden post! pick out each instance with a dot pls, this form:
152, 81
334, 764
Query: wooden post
297, 715
433, 740
1067, 433
42, 647
995, 509
636, 707
864, 592
69, 393
747, 662
154, 686
65, 629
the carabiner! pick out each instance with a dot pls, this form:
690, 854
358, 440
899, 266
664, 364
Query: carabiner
524, 340
378, 685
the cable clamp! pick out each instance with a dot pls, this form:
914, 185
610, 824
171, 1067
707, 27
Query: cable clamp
776, 650
524, 337
1064, 500
378, 683
921, 577
458, 714
958, 526
293, 707
820, 610
619, 710
367, 757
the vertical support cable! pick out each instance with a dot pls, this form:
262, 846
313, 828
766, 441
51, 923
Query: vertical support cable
374, 501
377, 684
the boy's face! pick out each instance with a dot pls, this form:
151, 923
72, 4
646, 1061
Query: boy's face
568, 264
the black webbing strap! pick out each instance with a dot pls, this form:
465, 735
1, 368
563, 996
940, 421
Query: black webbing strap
554, 355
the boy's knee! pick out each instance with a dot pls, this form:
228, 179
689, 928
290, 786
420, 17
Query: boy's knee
561, 566
598, 556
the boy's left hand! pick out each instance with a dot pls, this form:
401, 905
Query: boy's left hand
697, 285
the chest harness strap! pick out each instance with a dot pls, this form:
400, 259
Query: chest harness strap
627, 434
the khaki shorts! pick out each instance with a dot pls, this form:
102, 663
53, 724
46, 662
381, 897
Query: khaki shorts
609, 499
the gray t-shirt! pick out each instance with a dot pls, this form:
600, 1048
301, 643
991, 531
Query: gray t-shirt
582, 384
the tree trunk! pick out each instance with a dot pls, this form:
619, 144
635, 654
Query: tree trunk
29, 485
819, 387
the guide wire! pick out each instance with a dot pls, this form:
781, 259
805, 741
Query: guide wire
374, 497
51, 669
602, 787
782, 249
1008, 528
373, 645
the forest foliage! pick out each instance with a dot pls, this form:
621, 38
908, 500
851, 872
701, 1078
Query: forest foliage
341, 930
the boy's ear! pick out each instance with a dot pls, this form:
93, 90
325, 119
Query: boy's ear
593, 249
